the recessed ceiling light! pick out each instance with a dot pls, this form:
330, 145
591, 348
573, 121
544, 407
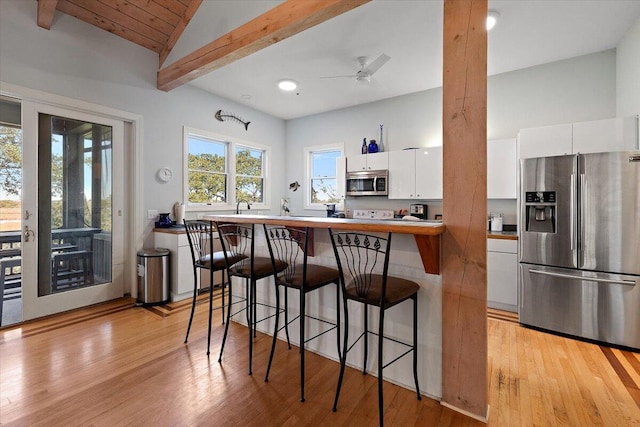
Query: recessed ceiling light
287, 85
492, 19
245, 96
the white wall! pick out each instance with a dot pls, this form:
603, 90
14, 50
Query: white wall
80, 61
628, 73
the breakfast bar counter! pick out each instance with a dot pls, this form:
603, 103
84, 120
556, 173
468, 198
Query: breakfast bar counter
426, 233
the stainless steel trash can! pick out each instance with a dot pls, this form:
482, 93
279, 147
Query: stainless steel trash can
153, 276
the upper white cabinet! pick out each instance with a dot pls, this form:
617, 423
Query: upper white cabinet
545, 141
501, 169
341, 178
606, 135
415, 174
371, 161
619, 134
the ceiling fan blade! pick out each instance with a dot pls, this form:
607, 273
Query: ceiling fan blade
338, 77
376, 64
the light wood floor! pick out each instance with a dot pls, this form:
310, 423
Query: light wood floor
116, 364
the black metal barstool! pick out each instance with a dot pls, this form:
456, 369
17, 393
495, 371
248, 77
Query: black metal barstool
291, 246
363, 263
238, 242
200, 236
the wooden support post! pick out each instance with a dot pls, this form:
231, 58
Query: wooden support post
464, 269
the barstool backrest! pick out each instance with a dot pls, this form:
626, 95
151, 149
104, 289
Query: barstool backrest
237, 242
200, 236
288, 244
363, 259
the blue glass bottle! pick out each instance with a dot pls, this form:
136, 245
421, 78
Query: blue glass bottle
373, 147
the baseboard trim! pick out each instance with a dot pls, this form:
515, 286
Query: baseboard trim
467, 413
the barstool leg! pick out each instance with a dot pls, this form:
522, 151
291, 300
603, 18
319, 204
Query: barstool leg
415, 344
223, 285
380, 381
250, 310
338, 318
302, 327
366, 338
286, 316
226, 326
343, 359
275, 333
210, 309
193, 304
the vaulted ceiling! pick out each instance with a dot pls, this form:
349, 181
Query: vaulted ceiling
239, 49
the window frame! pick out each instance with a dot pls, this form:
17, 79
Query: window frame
308, 166
231, 144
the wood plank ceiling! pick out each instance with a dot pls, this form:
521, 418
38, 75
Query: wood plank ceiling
158, 24
153, 24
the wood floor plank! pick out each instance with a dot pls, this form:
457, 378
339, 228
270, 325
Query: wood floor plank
117, 364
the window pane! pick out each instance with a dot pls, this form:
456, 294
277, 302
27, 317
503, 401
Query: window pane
248, 162
207, 187
323, 164
249, 189
207, 155
324, 190
207, 165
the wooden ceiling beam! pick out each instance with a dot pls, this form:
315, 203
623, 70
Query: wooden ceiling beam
46, 9
279, 23
177, 32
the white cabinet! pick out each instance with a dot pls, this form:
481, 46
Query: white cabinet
415, 174
372, 161
545, 141
502, 274
501, 169
181, 263
596, 136
341, 178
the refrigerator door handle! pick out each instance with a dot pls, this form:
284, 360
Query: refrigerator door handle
591, 279
572, 213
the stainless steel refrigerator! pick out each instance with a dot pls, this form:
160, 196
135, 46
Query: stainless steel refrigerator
580, 246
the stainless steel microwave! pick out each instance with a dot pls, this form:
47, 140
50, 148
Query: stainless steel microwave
368, 183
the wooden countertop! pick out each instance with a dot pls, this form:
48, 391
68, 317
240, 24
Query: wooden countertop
426, 234
504, 235
404, 227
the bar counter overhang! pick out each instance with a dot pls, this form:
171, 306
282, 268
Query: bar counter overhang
426, 234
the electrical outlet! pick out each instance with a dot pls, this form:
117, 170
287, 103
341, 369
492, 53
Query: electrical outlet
152, 214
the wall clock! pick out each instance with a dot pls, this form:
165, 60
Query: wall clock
165, 174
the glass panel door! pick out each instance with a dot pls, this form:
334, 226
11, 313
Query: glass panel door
74, 236
74, 209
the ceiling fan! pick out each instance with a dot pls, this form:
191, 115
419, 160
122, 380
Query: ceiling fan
366, 70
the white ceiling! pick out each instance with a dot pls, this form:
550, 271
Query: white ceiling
530, 32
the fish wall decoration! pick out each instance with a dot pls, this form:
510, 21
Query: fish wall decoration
224, 116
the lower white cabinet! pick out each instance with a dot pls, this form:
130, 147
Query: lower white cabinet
502, 274
181, 264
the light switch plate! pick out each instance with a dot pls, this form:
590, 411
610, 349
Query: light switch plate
152, 214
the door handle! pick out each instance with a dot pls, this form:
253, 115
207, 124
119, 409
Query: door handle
591, 279
28, 233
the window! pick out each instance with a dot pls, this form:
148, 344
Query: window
221, 171
322, 176
249, 175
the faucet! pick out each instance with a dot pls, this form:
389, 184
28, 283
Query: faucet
238, 206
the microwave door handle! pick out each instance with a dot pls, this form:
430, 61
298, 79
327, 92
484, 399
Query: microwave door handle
375, 183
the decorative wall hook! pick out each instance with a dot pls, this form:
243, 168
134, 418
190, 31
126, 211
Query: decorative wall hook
294, 185
224, 116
